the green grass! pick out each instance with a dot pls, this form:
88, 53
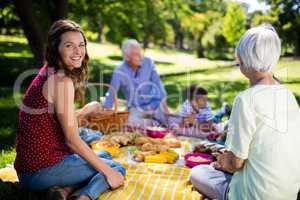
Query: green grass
177, 69
7, 156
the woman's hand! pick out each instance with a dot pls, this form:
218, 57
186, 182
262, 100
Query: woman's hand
223, 162
93, 107
115, 179
228, 162
64, 108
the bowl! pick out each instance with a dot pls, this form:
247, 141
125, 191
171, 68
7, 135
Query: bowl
194, 159
156, 132
104, 145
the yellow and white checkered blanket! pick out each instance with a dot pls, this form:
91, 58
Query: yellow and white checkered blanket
145, 181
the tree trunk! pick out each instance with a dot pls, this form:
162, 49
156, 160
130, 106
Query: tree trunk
60, 10
175, 41
200, 51
145, 41
32, 28
181, 39
199, 48
297, 47
100, 32
178, 40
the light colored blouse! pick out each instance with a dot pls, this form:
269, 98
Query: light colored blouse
264, 129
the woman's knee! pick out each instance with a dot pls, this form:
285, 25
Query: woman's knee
203, 180
120, 169
199, 174
209, 181
115, 165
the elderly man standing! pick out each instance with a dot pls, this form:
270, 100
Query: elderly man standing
141, 85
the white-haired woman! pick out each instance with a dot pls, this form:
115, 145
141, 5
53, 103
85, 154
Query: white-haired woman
263, 139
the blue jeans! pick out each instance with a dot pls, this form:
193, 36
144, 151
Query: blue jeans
72, 171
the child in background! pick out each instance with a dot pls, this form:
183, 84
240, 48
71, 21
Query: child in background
196, 116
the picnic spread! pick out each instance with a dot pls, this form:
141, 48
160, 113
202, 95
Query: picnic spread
156, 167
156, 159
147, 151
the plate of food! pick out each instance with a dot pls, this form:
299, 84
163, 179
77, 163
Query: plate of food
194, 159
156, 131
208, 148
164, 156
112, 148
171, 142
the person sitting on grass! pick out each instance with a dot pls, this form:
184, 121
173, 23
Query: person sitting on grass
143, 89
50, 153
262, 158
196, 118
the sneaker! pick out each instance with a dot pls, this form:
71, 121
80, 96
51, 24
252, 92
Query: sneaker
55, 193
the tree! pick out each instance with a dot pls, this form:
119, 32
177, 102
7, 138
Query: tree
258, 18
36, 17
234, 23
152, 23
288, 23
139, 19
204, 27
194, 28
9, 21
204, 6
213, 41
174, 13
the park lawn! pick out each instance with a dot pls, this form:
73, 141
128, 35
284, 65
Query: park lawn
177, 69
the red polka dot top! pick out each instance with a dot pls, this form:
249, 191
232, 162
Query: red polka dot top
39, 136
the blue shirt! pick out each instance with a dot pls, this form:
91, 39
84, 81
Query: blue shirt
203, 114
142, 88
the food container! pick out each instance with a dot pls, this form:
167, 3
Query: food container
194, 159
106, 146
156, 132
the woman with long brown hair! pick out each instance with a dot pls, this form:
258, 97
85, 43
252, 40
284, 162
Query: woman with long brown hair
50, 152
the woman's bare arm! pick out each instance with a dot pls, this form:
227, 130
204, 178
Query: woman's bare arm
63, 98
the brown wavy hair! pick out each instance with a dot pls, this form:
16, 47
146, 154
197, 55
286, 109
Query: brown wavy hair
79, 76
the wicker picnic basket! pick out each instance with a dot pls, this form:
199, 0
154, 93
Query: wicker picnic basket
106, 121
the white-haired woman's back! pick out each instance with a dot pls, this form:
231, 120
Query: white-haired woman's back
263, 138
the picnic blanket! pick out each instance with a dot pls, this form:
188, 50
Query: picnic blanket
154, 181
145, 180
8, 174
